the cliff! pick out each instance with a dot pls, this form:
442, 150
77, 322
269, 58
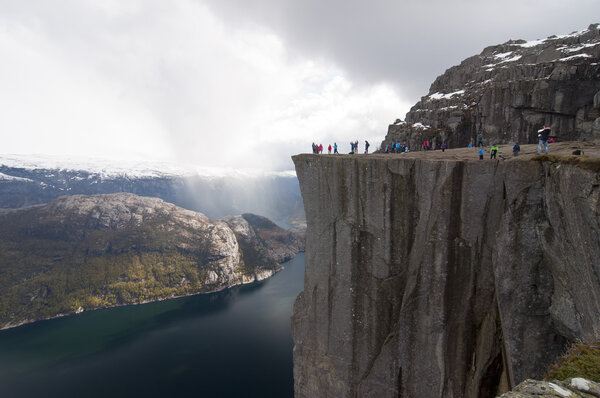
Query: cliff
442, 277
86, 252
508, 91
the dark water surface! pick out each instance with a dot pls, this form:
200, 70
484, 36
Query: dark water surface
234, 343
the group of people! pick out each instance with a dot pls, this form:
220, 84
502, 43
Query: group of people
354, 147
544, 139
396, 147
317, 149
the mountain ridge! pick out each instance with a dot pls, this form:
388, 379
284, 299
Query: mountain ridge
87, 252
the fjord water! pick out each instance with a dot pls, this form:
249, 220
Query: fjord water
233, 343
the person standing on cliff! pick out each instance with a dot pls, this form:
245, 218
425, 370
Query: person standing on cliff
367, 145
479, 140
493, 151
329, 149
516, 149
543, 135
335, 148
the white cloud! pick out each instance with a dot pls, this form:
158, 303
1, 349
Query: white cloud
146, 80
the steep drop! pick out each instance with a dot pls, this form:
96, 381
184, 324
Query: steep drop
442, 278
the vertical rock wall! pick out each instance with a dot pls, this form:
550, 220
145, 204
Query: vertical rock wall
430, 278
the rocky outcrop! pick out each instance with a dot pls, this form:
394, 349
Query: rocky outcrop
509, 91
442, 278
575, 387
264, 239
86, 252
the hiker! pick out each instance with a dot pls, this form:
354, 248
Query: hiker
367, 145
329, 149
320, 148
480, 152
335, 148
479, 140
425, 145
516, 149
543, 135
351, 148
443, 146
493, 151
314, 147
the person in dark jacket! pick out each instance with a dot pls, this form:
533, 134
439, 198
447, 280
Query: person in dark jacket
543, 135
516, 149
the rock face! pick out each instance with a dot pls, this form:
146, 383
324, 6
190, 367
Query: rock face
86, 252
442, 278
509, 91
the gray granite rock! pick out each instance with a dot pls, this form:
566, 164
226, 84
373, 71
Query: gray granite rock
442, 278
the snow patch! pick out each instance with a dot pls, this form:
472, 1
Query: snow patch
578, 48
515, 58
503, 55
575, 56
532, 43
438, 96
6, 177
580, 384
420, 125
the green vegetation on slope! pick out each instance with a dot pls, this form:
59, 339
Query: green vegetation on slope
581, 360
52, 264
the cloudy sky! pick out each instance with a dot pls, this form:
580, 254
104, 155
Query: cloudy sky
237, 83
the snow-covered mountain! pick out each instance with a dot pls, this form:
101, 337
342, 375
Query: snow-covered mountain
30, 180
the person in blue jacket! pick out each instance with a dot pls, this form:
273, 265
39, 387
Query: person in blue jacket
480, 152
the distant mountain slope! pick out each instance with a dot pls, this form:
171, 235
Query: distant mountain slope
31, 180
87, 252
509, 91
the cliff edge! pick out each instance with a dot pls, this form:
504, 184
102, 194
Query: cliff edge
431, 277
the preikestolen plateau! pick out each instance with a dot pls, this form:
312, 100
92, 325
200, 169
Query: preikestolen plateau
233, 199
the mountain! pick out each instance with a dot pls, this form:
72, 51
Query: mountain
31, 180
86, 252
439, 275
508, 92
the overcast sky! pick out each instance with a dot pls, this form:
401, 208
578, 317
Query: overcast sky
237, 83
